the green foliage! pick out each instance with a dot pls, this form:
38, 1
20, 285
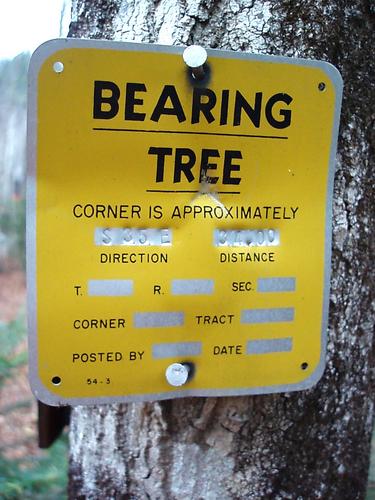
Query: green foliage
36, 478
13, 226
11, 335
7, 366
371, 477
28, 478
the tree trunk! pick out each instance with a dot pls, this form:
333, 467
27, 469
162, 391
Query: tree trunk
306, 445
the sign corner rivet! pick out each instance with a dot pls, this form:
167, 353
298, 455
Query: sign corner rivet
58, 67
56, 380
322, 86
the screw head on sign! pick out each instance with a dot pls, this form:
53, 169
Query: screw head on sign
177, 374
195, 57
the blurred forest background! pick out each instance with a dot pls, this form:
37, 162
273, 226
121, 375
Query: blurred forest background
25, 471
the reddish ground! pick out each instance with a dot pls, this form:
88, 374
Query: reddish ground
18, 436
12, 294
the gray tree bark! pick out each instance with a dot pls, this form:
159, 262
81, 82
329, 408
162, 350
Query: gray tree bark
304, 445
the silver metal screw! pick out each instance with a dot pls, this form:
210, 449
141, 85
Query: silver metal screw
177, 374
195, 57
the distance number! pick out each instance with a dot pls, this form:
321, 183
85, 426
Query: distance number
247, 238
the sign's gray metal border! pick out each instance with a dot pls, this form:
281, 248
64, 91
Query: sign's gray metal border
37, 59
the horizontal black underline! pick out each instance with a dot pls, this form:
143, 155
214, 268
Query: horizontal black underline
188, 191
188, 132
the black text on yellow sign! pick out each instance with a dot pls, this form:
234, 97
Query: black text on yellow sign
177, 221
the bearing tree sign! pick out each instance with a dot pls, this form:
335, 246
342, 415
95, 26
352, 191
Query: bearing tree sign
179, 221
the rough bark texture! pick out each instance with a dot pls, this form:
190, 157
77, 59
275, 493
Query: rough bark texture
305, 445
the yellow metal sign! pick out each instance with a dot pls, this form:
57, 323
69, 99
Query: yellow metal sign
176, 223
